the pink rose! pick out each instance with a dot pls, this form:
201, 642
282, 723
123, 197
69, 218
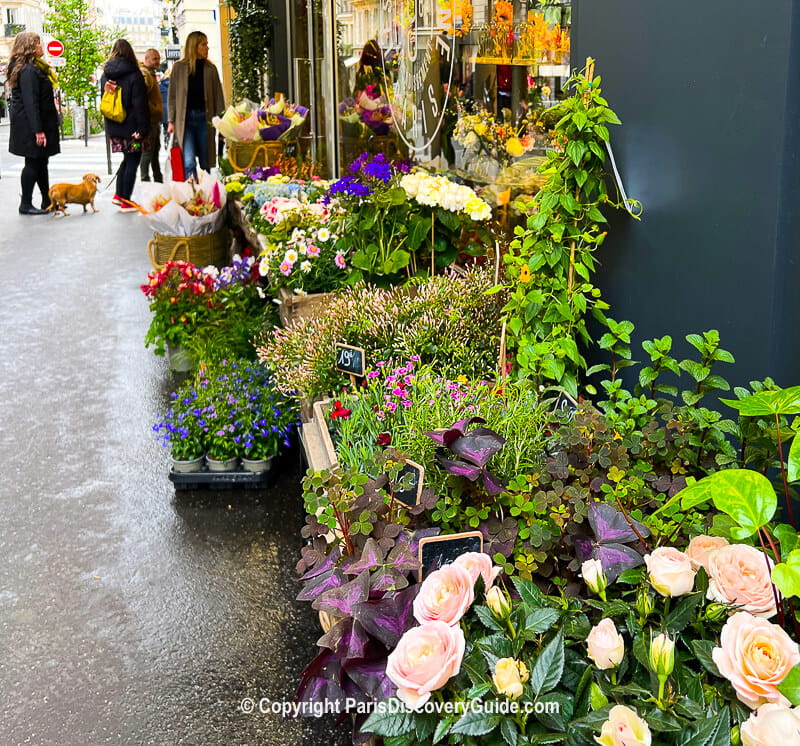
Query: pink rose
444, 596
605, 645
424, 660
670, 571
755, 656
742, 575
700, 548
771, 724
479, 564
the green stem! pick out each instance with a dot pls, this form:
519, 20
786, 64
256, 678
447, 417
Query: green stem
783, 471
662, 680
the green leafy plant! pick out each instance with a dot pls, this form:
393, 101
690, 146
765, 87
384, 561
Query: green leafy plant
551, 261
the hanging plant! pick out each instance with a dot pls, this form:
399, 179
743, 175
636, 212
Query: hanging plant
251, 31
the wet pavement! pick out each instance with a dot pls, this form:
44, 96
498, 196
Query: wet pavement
129, 614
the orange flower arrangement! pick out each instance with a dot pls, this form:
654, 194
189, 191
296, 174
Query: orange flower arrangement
504, 12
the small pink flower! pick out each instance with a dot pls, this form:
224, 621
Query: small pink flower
312, 250
340, 262
286, 269
373, 374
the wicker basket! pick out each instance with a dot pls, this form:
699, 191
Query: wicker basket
210, 248
253, 153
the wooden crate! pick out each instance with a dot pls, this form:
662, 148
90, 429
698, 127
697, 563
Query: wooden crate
295, 307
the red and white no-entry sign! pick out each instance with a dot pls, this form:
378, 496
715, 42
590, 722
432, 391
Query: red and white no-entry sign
55, 48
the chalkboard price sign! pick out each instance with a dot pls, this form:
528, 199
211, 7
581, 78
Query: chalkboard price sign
414, 475
349, 359
437, 551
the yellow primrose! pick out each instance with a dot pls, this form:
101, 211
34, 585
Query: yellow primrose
514, 147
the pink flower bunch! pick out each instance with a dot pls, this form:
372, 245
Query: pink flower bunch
428, 656
397, 384
274, 211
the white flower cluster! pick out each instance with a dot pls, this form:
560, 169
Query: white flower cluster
439, 191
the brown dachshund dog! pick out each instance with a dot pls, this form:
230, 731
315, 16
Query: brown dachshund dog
79, 194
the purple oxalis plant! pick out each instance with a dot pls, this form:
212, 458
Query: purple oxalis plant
473, 449
614, 542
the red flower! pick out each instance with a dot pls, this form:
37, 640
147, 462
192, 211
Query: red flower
384, 439
339, 411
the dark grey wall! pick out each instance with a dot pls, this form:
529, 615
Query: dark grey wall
707, 93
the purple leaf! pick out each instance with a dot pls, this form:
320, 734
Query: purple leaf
610, 525
437, 436
493, 485
319, 680
402, 558
328, 564
388, 618
461, 468
315, 587
340, 600
616, 558
347, 639
478, 446
583, 547
381, 581
372, 556
370, 675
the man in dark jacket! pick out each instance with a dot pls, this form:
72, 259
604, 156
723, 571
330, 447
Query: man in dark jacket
155, 104
127, 136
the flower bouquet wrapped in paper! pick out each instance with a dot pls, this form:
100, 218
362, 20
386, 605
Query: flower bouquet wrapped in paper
239, 122
279, 119
183, 208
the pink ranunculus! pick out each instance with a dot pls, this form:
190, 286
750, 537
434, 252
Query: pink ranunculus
479, 564
770, 725
755, 656
740, 574
444, 596
701, 547
424, 660
670, 571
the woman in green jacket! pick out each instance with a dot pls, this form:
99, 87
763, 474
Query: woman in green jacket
195, 95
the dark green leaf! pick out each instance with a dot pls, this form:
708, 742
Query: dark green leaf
702, 651
509, 731
540, 620
663, 721
714, 730
384, 723
683, 613
549, 666
487, 619
443, 728
476, 724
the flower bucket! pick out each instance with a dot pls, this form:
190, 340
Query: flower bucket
257, 466
202, 250
226, 465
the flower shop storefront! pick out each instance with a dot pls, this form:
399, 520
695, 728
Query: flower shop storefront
396, 77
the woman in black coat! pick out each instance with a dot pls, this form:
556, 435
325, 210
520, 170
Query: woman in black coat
34, 119
129, 136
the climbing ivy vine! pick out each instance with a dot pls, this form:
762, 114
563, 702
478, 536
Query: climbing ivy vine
251, 31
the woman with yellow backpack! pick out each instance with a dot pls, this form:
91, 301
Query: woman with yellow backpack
127, 131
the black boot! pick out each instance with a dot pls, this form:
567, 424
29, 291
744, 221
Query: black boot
29, 209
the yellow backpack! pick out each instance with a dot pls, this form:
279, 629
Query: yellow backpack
111, 105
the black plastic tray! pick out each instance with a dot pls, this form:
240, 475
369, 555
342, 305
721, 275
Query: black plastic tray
220, 480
